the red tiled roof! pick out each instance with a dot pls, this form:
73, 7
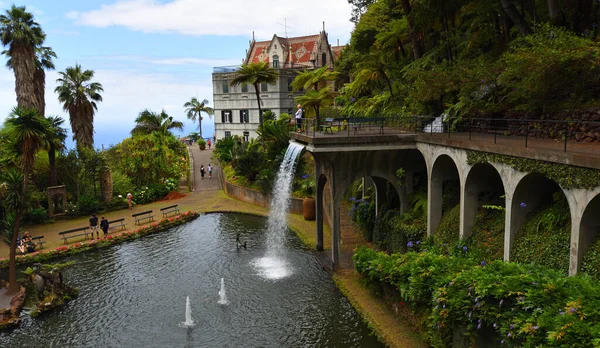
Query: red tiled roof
337, 50
301, 49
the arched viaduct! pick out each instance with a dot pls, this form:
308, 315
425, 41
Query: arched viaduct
339, 162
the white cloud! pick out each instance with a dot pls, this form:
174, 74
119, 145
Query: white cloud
126, 93
231, 17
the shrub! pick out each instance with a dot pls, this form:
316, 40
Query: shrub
363, 213
201, 143
88, 205
448, 231
36, 216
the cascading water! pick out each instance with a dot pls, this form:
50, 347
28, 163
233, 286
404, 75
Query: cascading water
222, 295
273, 265
189, 322
437, 126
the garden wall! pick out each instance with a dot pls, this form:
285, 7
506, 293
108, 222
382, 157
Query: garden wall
255, 197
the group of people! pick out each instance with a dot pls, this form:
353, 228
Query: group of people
208, 169
94, 226
26, 244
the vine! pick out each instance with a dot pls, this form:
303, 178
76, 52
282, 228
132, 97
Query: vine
565, 175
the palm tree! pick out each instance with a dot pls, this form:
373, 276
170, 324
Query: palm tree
194, 110
79, 96
149, 122
21, 34
255, 74
26, 130
55, 139
313, 79
43, 62
315, 99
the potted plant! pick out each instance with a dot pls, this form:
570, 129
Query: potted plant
202, 144
308, 204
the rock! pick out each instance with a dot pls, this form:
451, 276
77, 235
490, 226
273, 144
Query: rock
39, 283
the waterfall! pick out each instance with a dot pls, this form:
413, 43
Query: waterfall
222, 295
437, 126
273, 264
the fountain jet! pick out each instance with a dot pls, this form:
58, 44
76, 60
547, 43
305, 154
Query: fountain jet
222, 295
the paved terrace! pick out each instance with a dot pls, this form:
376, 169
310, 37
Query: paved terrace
397, 138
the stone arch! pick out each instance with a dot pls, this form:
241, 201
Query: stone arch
57, 200
443, 170
589, 227
480, 178
532, 192
381, 192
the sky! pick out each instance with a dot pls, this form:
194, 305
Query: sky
158, 54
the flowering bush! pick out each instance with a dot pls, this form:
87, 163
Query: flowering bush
492, 303
363, 213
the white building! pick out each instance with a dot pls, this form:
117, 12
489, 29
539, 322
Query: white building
236, 109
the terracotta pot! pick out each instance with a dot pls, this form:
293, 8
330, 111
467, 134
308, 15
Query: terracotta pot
309, 208
202, 147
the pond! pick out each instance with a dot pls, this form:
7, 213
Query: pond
134, 295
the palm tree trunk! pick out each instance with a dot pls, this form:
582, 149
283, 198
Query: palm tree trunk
24, 67
416, 42
260, 116
40, 87
200, 125
516, 17
13, 286
52, 165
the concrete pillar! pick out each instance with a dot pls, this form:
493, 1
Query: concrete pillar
319, 204
580, 243
434, 204
469, 203
335, 230
380, 193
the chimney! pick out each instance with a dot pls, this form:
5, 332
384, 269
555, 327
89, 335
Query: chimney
323, 26
338, 42
253, 35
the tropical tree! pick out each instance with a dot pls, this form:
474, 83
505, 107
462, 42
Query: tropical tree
43, 62
255, 74
194, 110
315, 99
79, 96
313, 79
21, 35
149, 122
26, 131
55, 140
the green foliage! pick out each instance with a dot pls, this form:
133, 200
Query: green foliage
488, 233
88, 205
544, 239
448, 232
223, 151
249, 160
591, 261
201, 143
363, 214
149, 159
121, 183
494, 303
36, 216
565, 175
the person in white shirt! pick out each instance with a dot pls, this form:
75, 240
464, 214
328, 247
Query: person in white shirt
299, 114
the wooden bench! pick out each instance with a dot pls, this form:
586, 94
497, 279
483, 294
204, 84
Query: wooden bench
66, 234
171, 209
38, 240
327, 125
119, 223
143, 216
362, 122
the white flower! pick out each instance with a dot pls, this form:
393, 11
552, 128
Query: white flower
120, 196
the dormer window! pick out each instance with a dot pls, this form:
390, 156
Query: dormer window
276, 61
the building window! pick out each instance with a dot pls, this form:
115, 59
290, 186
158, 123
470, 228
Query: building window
290, 80
226, 116
264, 87
246, 136
227, 134
244, 88
225, 86
323, 59
276, 61
289, 111
244, 116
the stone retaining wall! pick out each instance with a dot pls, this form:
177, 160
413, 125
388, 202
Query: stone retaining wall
255, 197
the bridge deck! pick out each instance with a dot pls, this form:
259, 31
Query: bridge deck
574, 153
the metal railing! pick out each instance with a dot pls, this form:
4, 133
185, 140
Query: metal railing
555, 134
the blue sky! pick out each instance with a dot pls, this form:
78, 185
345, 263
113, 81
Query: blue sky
158, 54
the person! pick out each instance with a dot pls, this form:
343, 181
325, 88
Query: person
104, 225
129, 200
299, 114
209, 171
27, 243
94, 226
209, 143
202, 171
